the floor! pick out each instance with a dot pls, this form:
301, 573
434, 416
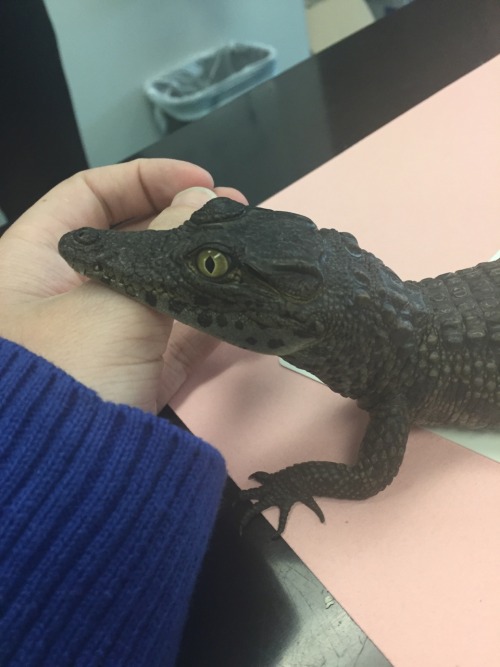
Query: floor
330, 21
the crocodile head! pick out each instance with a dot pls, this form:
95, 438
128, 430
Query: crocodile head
249, 276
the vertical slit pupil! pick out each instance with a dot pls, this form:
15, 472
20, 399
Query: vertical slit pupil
210, 264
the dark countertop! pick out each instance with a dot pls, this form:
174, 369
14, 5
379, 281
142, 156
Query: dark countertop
256, 604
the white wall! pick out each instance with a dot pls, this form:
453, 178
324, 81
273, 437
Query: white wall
110, 47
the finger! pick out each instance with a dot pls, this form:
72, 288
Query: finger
104, 196
183, 206
186, 202
231, 193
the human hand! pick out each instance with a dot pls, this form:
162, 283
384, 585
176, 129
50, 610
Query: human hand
125, 351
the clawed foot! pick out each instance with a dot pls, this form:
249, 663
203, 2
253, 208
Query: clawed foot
281, 489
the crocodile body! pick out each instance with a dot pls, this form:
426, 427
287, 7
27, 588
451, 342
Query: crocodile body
409, 352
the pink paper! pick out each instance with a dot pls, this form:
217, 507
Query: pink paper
418, 566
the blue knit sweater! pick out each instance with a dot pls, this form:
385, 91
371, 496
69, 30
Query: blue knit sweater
105, 514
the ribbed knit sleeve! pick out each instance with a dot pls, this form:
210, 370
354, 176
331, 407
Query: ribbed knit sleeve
106, 512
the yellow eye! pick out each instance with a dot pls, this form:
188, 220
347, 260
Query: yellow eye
212, 263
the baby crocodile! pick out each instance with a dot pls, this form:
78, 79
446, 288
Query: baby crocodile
409, 352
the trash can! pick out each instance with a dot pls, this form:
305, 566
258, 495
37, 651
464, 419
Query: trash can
210, 80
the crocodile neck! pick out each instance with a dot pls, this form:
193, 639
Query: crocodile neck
374, 333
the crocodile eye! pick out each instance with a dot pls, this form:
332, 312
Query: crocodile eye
212, 263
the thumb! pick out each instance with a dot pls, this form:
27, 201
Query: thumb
183, 205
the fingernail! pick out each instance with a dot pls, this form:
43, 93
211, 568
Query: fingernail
194, 197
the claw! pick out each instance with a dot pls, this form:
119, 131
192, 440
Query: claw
259, 507
279, 491
251, 513
260, 476
313, 505
284, 512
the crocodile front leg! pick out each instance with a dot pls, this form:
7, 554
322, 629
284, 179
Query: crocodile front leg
380, 456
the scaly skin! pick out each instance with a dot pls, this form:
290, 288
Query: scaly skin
409, 352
